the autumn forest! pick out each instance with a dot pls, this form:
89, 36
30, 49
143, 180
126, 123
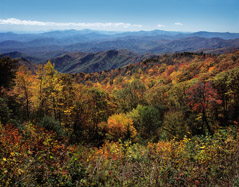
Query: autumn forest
170, 120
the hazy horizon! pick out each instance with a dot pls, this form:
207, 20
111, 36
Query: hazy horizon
103, 31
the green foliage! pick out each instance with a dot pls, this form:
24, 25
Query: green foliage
131, 95
50, 123
5, 112
147, 120
175, 125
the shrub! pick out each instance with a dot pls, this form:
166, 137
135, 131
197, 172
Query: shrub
50, 123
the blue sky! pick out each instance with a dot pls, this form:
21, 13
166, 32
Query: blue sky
120, 15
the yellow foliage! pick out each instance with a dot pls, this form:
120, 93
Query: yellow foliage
121, 126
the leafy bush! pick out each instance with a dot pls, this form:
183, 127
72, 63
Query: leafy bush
50, 123
147, 120
35, 157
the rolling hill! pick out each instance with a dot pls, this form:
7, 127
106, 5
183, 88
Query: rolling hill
95, 62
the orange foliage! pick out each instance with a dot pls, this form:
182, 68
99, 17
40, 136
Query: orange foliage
211, 68
120, 126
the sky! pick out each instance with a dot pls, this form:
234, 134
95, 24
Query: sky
120, 15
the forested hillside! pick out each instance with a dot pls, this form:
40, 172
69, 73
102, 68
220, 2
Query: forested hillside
96, 62
172, 120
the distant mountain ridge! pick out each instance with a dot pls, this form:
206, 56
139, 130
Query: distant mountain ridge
90, 51
223, 35
44, 49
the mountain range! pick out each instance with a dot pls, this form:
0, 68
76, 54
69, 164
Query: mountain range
89, 50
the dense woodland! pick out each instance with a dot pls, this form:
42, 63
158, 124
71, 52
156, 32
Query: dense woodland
172, 120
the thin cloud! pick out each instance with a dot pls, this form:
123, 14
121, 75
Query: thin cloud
14, 21
160, 26
178, 23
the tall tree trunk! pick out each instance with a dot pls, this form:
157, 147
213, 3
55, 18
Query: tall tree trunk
206, 122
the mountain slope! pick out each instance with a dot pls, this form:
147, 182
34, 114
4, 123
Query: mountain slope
18, 55
95, 62
194, 44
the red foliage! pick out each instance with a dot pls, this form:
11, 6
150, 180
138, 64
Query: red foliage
202, 96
